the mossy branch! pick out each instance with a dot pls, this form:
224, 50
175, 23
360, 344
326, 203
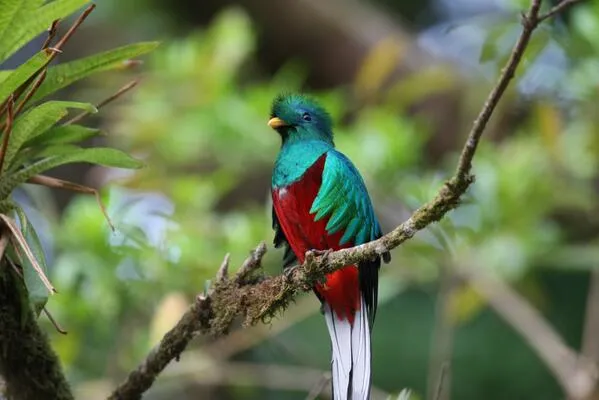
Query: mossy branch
28, 364
257, 300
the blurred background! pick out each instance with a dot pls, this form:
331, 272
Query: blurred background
404, 81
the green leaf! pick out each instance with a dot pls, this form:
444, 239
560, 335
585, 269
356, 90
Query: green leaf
9, 8
37, 121
64, 74
101, 156
30, 20
63, 134
13, 11
22, 250
52, 151
20, 75
38, 292
4, 74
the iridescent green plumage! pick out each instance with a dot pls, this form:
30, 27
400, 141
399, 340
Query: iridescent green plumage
343, 198
320, 202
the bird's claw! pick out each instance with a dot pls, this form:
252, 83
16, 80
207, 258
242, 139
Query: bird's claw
321, 253
288, 272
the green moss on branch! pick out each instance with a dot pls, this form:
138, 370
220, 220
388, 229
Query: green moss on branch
30, 367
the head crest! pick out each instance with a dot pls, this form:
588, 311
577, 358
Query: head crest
304, 115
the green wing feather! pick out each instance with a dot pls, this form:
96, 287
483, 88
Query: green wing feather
344, 199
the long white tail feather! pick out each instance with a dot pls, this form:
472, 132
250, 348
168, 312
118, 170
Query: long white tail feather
361, 356
350, 364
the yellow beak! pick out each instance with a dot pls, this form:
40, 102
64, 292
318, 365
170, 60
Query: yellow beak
276, 122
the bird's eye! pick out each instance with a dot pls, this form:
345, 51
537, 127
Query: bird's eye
306, 117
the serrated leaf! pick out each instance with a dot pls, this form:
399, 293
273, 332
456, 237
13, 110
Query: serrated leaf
63, 134
37, 121
22, 74
25, 26
38, 293
101, 156
63, 75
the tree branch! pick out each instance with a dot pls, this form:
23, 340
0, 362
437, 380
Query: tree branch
576, 376
590, 344
30, 367
439, 371
171, 346
248, 374
259, 300
557, 9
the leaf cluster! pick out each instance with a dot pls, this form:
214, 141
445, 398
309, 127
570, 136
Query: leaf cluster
36, 134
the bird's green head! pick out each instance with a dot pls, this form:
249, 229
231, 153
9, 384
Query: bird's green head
297, 117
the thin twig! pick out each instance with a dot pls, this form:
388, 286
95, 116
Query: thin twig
39, 79
19, 91
575, 376
170, 347
223, 271
238, 373
439, 374
56, 183
258, 301
197, 318
129, 64
101, 104
27, 377
590, 338
251, 263
529, 23
320, 386
52, 52
449, 195
4, 237
36, 84
19, 241
51, 33
441, 382
557, 9
55, 323
7, 130
58, 47
242, 340
16, 268
19, 272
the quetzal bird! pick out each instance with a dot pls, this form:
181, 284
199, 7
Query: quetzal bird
320, 202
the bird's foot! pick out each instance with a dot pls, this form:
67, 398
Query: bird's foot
289, 271
320, 253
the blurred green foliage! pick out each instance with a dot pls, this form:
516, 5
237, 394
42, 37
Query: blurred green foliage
199, 121
35, 135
